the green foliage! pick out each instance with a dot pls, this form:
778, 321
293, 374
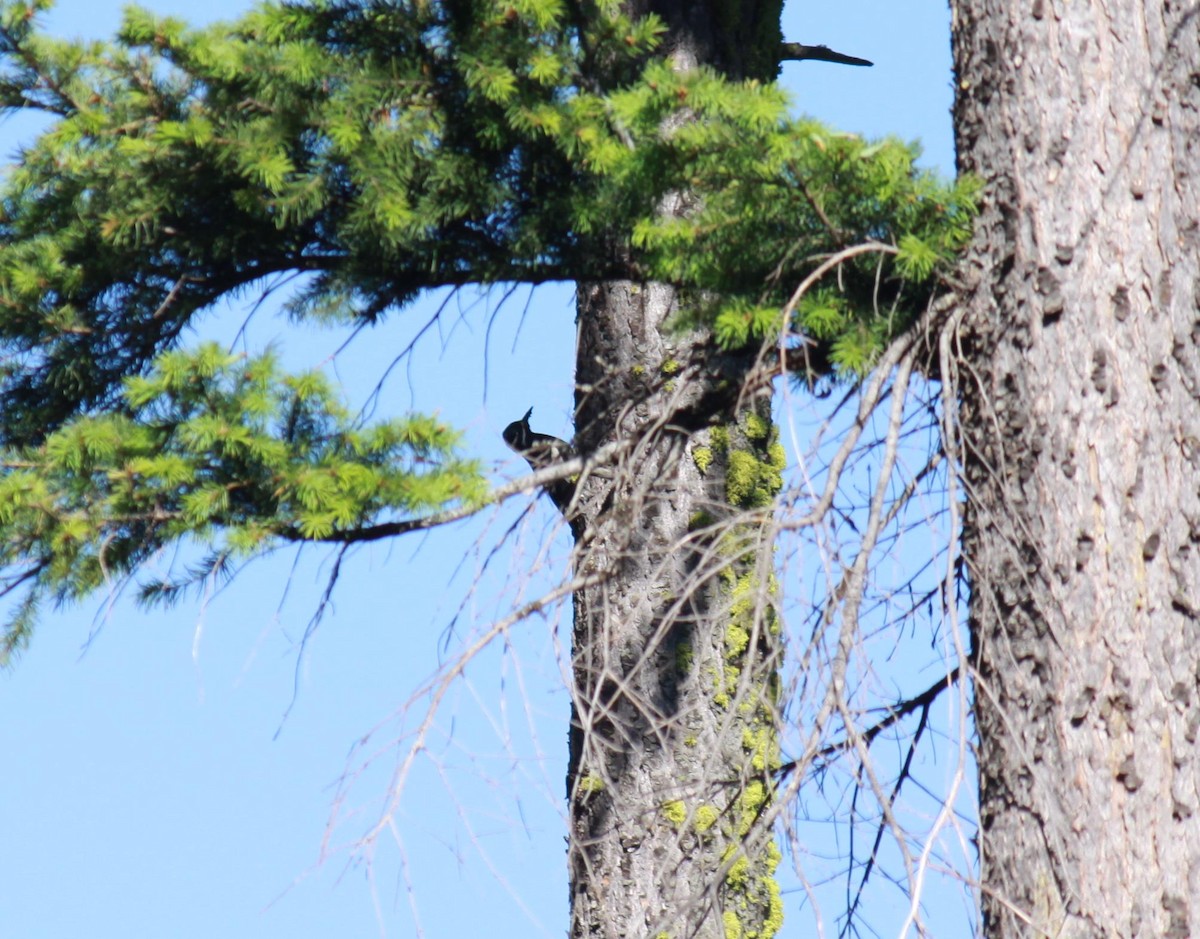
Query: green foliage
381, 148
807, 195
223, 451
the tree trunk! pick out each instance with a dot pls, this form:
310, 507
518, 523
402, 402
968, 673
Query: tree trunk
1080, 390
675, 646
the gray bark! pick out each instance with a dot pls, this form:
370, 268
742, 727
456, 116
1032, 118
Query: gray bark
674, 647
1080, 390
673, 734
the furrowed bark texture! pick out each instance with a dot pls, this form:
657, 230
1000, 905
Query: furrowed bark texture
675, 647
1081, 420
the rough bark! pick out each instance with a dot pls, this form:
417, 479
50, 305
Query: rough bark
673, 734
1081, 420
675, 647
741, 38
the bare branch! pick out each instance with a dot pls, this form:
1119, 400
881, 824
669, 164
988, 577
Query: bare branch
798, 52
895, 714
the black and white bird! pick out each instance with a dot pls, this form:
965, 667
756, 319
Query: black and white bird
539, 450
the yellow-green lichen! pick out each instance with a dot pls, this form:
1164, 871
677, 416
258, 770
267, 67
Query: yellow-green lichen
591, 784
762, 743
706, 817
774, 921
638, 371
751, 483
675, 812
739, 873
751, 883
703, 457
743, 609
684, 656
700, 519
756, 427
750, 804
737, 639
670, 367
754, 463
741, 479
725, 684
774, 623
777, 457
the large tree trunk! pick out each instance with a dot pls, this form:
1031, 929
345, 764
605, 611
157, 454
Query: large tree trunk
1081, 421
674, 648
673, 737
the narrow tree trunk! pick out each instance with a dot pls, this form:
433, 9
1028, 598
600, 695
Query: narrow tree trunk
675, 661
673, 736
1081, 420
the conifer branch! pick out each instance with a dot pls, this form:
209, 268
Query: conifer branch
797, 52
579, 466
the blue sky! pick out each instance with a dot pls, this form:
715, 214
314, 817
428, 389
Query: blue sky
151, 784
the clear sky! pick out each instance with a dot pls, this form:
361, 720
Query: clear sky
156, 779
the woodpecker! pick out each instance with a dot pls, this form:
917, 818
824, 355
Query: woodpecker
539, 450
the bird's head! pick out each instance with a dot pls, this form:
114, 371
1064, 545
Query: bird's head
518, 435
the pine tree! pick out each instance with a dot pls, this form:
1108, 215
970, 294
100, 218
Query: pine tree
387, 149
1080, 416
